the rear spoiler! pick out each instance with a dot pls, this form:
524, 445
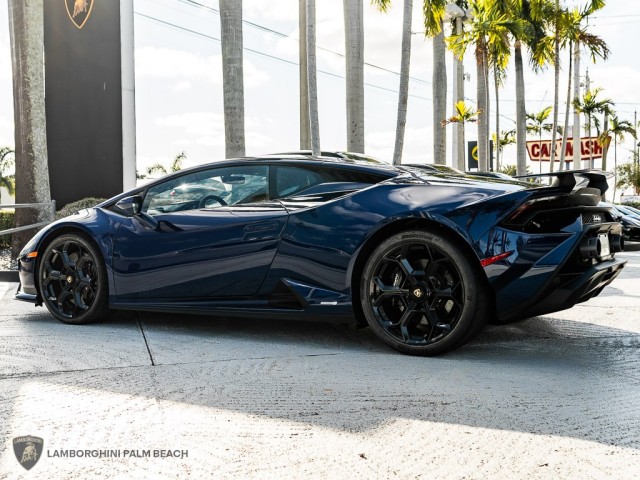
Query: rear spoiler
578, 181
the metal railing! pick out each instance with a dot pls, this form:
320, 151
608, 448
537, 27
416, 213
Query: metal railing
51, 206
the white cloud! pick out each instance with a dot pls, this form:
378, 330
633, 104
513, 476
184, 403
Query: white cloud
200, 128
181, 86
174, 63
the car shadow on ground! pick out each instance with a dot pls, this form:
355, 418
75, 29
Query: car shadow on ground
544, 375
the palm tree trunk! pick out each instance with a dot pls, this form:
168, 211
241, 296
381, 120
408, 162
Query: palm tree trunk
605, 145
497, 146
312, 78
556, 88
615, 167
521, 112
590, 145
458, 94
354, 59
439, 99
232, 77
577, 150
32, 171
305, 133
566, 116
540, 147
403, 96
482, 100
487, 103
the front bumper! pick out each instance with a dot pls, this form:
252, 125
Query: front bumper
25, 297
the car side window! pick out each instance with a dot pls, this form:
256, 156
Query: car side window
291, 180
210, 188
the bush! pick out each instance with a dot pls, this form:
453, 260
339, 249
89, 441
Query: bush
6, 222
75, 207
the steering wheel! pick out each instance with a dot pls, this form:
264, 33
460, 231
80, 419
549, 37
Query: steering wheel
205, 201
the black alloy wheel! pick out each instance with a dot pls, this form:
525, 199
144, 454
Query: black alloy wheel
420, 295
73, 280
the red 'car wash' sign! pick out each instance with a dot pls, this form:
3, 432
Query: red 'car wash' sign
541, 150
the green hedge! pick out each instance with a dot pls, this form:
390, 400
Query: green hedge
75, 207
6, 222
631, 204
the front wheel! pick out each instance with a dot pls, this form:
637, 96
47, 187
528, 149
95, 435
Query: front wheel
420, 295
73, 280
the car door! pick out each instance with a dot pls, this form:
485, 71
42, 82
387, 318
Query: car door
209, 234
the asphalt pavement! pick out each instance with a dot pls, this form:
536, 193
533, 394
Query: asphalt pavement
170, 396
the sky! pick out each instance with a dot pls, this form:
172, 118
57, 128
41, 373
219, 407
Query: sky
179, 79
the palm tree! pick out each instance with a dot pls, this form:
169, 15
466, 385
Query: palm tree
434, 12
590, 105
500, 141
305, 133
499, 62
464, 114
618, 128
457, 10
529, 13
7, 163
32, 171
573, 33
312, 72
488, 30
405, 62
594, 44
232, 77
556, 84
628, 175
176, 165
547, 50
354, 60
536, 124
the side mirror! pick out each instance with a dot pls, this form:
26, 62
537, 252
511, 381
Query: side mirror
131, 206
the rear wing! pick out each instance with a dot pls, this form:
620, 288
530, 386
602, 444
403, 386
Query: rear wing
583, 182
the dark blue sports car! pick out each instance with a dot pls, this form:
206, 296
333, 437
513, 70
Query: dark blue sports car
424, 258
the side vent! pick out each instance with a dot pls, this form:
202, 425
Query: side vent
283, 297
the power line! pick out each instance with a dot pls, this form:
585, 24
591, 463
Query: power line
193, 3
267, 55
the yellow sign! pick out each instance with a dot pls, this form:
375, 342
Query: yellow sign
79, 11
474, 153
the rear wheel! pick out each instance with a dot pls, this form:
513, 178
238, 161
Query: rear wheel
73, 280
420, 295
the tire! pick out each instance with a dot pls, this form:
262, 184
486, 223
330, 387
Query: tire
420, 295
73, 280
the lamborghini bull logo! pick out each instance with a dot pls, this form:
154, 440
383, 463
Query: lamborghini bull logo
79, 11
28, 450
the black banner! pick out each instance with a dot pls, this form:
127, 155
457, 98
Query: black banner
472, 155
83, 98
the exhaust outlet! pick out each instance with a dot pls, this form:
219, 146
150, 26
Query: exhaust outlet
616, 242
590, 248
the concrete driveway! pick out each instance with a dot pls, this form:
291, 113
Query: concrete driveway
168, 396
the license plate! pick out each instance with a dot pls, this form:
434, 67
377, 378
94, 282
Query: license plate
604, 245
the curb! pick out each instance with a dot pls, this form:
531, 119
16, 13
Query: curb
9, 276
